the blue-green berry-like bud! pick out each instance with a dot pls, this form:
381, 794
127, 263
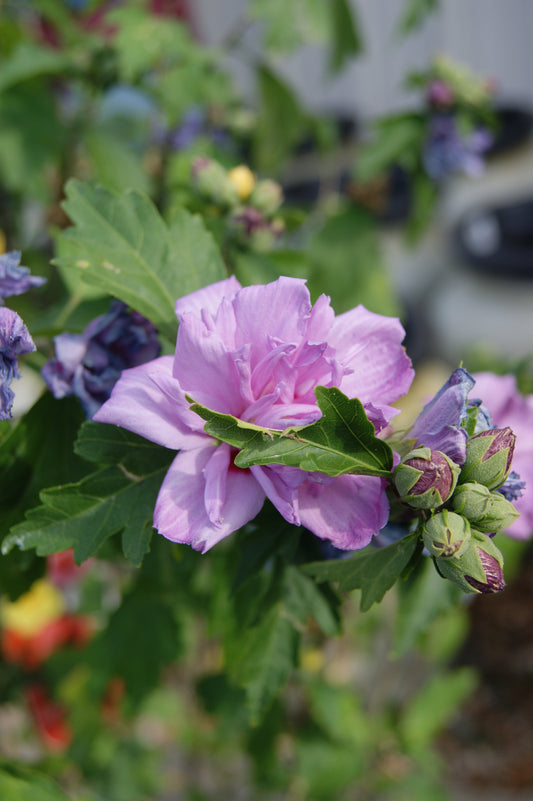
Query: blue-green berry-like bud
489, 455
446, 534
487, 511
425, 479
479, 569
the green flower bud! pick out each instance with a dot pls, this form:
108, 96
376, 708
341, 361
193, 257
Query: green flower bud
487, 511
213, 182
425, 479
446, 534
471, 500
267, 196
479, 569
488, 457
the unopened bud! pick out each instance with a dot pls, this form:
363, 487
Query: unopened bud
212, 181
479, 569
446, 534
267, 196
243, 180
252, 228
425, 479
439, 93
487, 511
489, 455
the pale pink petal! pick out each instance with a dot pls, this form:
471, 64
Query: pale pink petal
279, 491
276, 311
215, 474
206, 369
348, 511
508, 407
369, 345
320, 321
208, 298
149, 402
180, 514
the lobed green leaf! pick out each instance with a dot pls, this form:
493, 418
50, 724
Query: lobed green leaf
122, 244
342, 441
371, 570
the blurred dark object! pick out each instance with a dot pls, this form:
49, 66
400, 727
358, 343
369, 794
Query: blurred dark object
514, 125
498, 240
388, 197
318, 162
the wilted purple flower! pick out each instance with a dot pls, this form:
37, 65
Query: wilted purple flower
14, 278
447, 151
89, 364
509, 407
14, 341
258, 353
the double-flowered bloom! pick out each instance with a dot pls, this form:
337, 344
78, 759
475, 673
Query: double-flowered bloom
258, 353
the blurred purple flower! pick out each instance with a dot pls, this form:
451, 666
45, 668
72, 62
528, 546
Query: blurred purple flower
194, 124
88, 365
447, 151
14, 278
14, 341
258, 353
509, 408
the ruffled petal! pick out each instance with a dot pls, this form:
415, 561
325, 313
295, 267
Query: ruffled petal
180, 514
349, 511
369, 347
280, 492
279, 310
208, 298
149, 401
206, 368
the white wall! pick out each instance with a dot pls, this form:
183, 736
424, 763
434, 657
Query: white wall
493, 36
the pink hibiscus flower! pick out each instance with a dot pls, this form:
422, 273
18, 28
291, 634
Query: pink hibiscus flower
509, 408
258, 353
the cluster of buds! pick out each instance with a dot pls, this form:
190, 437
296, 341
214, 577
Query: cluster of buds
250, 205
460, 508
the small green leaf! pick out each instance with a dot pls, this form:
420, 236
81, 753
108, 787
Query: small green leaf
398, 140
342, 441
346, 37
430, 710
372, 570
282, 121
423, 598
121, 243
415, 14
37, 453
114, 164
31, 61
142, 636
263, 659
303, 599
19, 783
85, 514
107, 444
